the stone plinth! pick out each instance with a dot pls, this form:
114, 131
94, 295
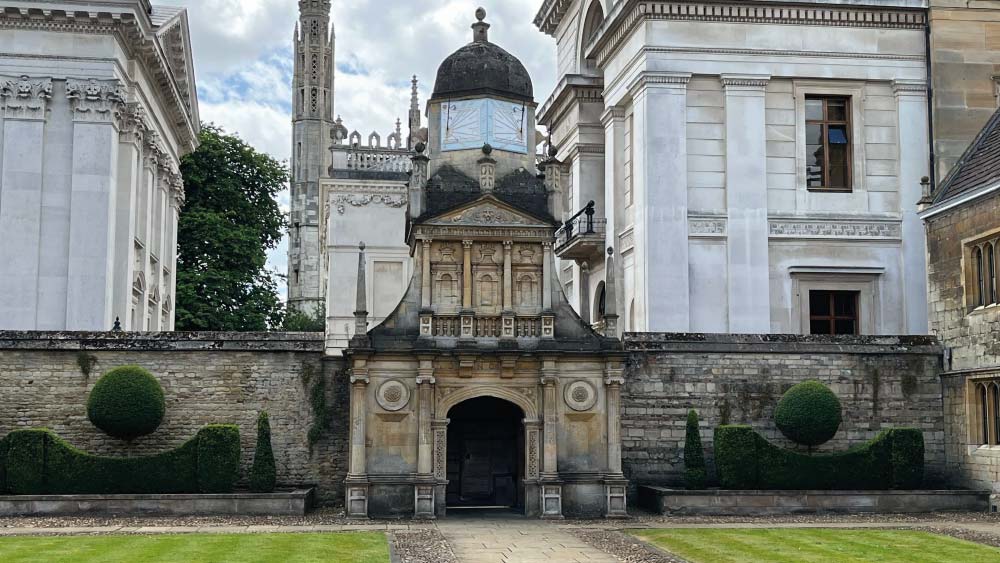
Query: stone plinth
287, 503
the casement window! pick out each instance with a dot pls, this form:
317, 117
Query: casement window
834, 312
982, 286
829, 151
984, 412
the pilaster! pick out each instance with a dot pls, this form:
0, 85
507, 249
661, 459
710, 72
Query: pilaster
662, 292
357, 480
424, 490
746, 199
911, 104
550, 483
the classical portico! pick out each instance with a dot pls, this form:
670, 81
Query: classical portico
483, 386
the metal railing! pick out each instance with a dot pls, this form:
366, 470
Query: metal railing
583, 223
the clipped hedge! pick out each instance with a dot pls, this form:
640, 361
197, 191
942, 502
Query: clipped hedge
40, 462
695, 473
127, 402
263, 473
3, 465
809, 413
745, 460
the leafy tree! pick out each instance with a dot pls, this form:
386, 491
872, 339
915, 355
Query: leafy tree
299, 321
694, 456
229, 222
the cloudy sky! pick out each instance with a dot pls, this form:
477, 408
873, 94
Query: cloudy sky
243, 59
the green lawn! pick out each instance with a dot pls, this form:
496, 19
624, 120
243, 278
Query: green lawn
806, 545
199, 548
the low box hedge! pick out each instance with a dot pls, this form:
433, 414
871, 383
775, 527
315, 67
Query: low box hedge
3, 465
40, 462
745, 460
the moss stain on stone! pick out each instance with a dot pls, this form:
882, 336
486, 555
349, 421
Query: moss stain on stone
86, 362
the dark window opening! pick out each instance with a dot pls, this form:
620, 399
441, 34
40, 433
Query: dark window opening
828, 143
833, 312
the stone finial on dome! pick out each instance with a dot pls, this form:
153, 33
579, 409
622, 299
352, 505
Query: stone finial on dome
480, 29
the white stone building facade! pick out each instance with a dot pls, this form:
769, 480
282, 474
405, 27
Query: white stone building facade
98, 106
756, 165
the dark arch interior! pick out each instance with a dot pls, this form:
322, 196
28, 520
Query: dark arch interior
486, 454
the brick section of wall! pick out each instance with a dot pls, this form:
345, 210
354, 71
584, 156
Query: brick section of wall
207, 377
974, 338
882, 382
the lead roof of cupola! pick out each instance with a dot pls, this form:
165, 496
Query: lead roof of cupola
449, 188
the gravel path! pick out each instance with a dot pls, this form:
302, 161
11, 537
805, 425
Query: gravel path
625, 548
422, 546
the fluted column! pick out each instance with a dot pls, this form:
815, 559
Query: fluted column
467, 274
425, 414
508, 282
357, 480
547, 276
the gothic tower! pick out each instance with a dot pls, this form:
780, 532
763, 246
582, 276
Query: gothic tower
312, 121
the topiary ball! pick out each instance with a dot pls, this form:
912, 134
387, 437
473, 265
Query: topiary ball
809, 413
126, 403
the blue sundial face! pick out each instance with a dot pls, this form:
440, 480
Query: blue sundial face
470, 124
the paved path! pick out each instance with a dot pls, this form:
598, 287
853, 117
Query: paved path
516, 540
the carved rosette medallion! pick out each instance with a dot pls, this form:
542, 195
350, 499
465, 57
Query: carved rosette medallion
580, 396
392, 395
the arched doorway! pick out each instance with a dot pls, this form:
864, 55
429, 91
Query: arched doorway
485, 459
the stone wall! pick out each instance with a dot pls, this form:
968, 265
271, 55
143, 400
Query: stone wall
882, 382
965, 56
207, 377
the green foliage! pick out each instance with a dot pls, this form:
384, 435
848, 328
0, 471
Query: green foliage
40, 462
3, 465
808, 414
694, 456
315, 385
218, 458
299, 321
263, 474
229, 222
745, 460
127, 402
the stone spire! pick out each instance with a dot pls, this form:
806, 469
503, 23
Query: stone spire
610, 297
415, 118
361, 307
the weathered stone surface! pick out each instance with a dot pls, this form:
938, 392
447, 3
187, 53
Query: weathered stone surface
290, 503
207, 378
882, 382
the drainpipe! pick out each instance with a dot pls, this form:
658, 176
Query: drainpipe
930, 104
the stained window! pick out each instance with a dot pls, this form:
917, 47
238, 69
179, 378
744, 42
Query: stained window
833, 312
828, 143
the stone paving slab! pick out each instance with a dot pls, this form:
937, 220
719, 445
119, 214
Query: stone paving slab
517, 541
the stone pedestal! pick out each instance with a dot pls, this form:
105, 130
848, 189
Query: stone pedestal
550, 489
357, 497
617, 490
423, 501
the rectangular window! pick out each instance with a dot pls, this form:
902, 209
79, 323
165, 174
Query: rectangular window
833, 312
828, 143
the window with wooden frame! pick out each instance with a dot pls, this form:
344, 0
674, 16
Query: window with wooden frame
981, 280
828, 143
833, 312
984, 413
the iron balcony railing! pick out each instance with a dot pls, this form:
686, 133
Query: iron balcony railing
581, 224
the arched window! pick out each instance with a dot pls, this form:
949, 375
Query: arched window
980, 277
995, 411
600, 305
984, 402
991, 275
591, 25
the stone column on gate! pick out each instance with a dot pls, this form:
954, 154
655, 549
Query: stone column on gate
357, 475
439, 429
424, 489
615, 484
549, 481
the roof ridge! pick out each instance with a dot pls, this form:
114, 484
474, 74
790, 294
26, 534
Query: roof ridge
974, 148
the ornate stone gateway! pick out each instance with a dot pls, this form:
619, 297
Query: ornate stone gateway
483, 386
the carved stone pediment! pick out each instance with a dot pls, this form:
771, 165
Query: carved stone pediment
487, 212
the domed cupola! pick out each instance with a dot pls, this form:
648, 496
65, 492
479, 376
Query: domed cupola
482, 67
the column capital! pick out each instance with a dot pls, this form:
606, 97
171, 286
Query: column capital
647, 80
611, 115
744, 82
467, 244
909, 88
25, 97
508, 244
426, 241
547, 245
360, 375
97, 101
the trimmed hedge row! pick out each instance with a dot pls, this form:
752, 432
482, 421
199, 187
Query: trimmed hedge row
40, 462
3, 465
745, 460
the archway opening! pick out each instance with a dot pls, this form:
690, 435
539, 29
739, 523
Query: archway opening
486, 454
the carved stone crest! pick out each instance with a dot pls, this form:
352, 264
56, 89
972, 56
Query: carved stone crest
580, 396
393, 395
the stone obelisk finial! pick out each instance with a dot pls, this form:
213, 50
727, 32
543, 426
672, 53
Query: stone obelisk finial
361, 307
480, 29
610, 297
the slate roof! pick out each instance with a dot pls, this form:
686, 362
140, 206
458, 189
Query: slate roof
978, 167
449, 188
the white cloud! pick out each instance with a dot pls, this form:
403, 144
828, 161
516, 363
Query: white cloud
243, 58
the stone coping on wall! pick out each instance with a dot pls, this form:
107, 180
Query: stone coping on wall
163, 341
780, 343
283, 503
663, 500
